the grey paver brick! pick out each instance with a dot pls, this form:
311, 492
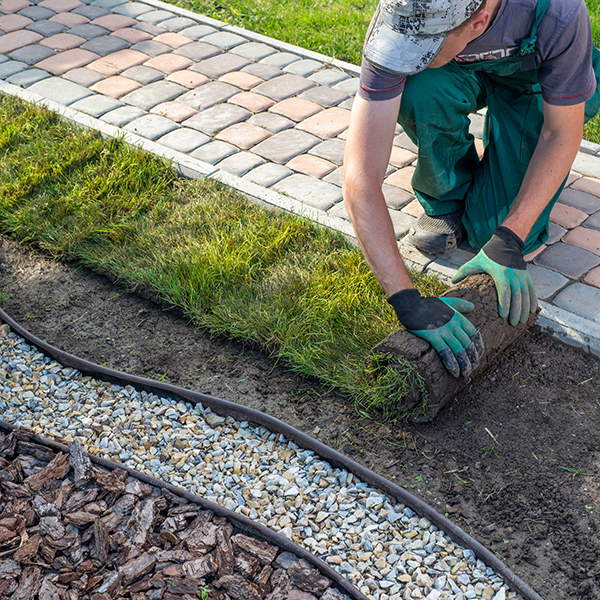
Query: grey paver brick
155, 17
225, 40
131, 9
329, 77
283, 146
339, 210
151, 48
177, 23
60, 90
546, 282
401, 222
143, 75
271, 122
84, 76
11, 67
37, 13
208, 95
150, 28
568, 260
336, 177
555, 234
91, 12
284, 87
217, 66
268, 174
396, 197
347, 104
121, 116
263, 71
586, 202
109, 4
89, 31
331, 150
96, 105
155, 93
254, 51
593, 222
476, 127
184, 139
106, 44
28, 77
198, 51
214, 152
403, 141
324, 96
587, 165
304, 67
240, 163
581, 299
281, 59
197, 31
47, 28
348, 86
216, 118
151, 127
311, 191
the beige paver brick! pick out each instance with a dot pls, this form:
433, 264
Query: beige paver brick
114, 22
67, 61
413, 208
402, 158
13, 22
529, 257
296, 109
17, 39
12, 6
174, 110
593, 277
311, 165
245, 81
253, 102
572, 178
175, 40
567, 216
189, 79
243, 135
588, 185
59, 6
134, 36
584, 238
63, 41
116, 86
116, 62
169, 63
326, 124
69, 19
401, 178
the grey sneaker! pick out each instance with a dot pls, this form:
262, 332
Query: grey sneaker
439, 235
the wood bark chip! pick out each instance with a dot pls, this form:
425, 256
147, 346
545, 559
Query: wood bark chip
440, 386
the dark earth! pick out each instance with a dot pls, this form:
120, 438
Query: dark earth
514, 460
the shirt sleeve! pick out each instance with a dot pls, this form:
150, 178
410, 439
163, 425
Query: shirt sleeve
566, 75
376, 83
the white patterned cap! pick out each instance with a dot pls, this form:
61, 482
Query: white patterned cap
407, 35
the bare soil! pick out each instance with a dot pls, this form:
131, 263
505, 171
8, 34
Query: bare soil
514, 459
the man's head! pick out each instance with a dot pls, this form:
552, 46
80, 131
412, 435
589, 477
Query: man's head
410, 35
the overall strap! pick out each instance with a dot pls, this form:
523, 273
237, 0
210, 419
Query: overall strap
526, 52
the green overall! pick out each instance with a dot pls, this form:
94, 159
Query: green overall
449, 175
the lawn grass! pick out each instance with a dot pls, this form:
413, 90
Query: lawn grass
301, 292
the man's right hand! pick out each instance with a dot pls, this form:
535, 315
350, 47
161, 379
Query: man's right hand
440, 322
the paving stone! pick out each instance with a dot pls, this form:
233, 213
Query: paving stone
572, 177
150, 28
173, 110
132, 35
253, 102
583, 201
568, 260
63, 41
89, 31
115, 63
593, 277
14, 22
263, 71
32, 54
132, 9
581, 299
329, 77
208, 95
402, 158
225, 40
311, 165
83, 76
217, 66
91, 12
336, 177
214, 152
339, 211
143, 75
61, 5
283, 87
60, 90
244, 135
403, 141
401, 178
37, 13
588, 185
413, 208
546, 282
184, 140
122, 116
396, 198
304, 67
47, 28
280, 59
107, 44
320, 194
267, 174
216, 118
296, 109
586, 165
326, 124
12, 6
555, 234
188, 78
14, 40
151, 48
155, 17
584, 238
531, 256
593, 222
116, 86
254, 51
348, 86
271, 122
177, 23
401, 222
198, 51
109, 4
173, 40
96, 105
169, 63
155, 93
240, 163
28, 77
151, 127
66, 61
198, 31
284, 146
567, 216
11, 67
244, 81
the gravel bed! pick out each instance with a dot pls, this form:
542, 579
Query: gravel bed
384, 549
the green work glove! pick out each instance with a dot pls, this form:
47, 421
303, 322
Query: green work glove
502, 259
440, 322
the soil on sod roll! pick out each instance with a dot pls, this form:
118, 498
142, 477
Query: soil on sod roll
514, 459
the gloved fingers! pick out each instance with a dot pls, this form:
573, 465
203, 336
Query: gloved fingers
504, 298
477, 342
450, 361
462, 306
456, 338
473, 355
525, 308
470, 268
533, 300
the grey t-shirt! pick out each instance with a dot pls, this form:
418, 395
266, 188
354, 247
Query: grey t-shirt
564, 48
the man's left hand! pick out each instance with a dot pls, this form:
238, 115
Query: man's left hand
502, 259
